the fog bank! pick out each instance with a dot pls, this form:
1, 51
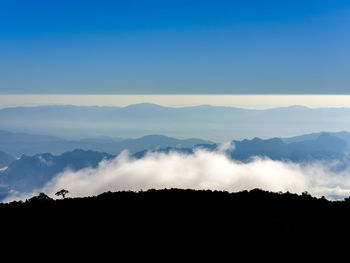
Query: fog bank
201, 170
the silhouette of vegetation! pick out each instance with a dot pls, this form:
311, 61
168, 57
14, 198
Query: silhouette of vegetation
62, 193
40, 198
202, 223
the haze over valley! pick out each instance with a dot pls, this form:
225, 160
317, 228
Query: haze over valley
213, 123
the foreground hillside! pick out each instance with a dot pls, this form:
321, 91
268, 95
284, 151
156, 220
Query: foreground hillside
177, 221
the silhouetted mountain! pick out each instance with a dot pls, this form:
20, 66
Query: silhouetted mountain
209, 122
22, 143
325, 147
5, 159
30, 172
185, 223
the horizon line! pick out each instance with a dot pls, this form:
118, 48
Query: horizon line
263, 101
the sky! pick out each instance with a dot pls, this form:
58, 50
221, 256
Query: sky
174, 47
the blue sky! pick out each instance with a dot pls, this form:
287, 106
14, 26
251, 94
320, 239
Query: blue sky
174, 47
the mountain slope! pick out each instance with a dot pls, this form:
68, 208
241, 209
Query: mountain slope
30, 172
5, 159
343, 135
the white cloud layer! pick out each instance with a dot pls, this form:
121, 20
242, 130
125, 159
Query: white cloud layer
201, 170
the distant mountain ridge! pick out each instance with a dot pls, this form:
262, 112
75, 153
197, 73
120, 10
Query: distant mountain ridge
30, 144
343, 135
214, 123
324, 147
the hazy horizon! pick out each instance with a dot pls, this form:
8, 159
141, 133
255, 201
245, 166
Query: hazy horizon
215, 123
258, 101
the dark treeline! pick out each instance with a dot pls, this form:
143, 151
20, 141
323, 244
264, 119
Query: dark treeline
174, 221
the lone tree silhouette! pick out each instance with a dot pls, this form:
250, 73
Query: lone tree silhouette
62, 192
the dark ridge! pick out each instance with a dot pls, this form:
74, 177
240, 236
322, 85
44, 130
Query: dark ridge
181, 222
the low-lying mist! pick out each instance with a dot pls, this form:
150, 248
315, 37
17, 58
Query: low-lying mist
201, 170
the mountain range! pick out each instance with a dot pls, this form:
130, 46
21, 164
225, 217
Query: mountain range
323, 147
214, 123
17, 144
32, 172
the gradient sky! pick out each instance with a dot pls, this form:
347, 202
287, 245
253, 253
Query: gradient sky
174, 47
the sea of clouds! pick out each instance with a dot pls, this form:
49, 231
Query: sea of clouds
203, 169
